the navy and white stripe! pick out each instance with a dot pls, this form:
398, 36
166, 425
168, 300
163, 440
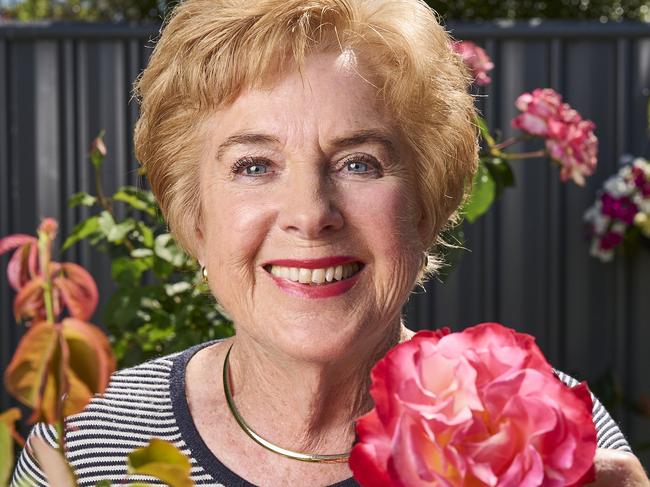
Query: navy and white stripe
148, 401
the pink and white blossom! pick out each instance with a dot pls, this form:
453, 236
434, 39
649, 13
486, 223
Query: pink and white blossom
570, 140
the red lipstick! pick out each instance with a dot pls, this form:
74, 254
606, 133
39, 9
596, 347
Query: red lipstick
314, 263
314, 292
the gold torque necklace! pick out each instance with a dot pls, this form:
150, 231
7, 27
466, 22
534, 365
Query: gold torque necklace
305, 457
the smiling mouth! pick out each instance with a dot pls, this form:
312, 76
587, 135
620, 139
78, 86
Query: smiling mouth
315, 277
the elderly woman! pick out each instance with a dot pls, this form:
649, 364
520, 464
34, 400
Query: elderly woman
308, 154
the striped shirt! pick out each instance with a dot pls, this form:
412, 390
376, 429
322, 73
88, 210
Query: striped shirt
148, 401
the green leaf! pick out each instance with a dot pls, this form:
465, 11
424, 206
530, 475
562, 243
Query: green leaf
105, 483
485, 131
86, 228
136, 201
147, 234
6, 454
106, 222
165, 248
81, 198
501, 172
482, 197
127, 271
162, 460
118, 232
162, 268
123, 306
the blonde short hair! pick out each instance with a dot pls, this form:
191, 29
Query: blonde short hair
210, 50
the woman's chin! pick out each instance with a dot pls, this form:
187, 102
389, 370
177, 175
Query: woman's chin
318, 343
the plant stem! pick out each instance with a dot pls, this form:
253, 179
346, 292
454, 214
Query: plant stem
524, 155
106, 204
508, 142
103, 200
44, 252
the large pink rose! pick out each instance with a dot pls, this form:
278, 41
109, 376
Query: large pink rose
537, 109
480, 407
476, 59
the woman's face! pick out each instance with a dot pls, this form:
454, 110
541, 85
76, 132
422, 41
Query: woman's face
311, 233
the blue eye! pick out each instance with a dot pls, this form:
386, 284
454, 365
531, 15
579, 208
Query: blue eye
248, 166
256, 170
358, 167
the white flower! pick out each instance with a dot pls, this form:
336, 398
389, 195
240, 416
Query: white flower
598, 221
617, 187
596, 251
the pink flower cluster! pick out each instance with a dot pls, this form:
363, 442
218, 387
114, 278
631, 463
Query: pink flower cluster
480, 407
570, 140
476, 59
622, 204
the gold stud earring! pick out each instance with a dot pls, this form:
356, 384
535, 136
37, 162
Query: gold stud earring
204, 273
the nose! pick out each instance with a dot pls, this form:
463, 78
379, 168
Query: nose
310, 209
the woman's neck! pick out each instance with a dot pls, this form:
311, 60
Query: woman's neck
305, 406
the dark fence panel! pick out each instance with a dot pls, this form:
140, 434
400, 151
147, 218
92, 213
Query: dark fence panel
528, 265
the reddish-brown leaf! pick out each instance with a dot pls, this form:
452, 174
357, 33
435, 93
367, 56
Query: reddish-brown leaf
28, 304
16, 240
22, 265
28, 376
91, 358
78, 290
72, 358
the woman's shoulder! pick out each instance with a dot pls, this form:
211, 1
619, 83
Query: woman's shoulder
608, 432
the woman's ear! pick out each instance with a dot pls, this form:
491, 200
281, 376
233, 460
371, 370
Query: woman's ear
199, 246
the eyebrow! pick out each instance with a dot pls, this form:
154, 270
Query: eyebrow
356, 138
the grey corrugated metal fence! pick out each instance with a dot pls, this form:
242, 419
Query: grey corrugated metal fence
528, 265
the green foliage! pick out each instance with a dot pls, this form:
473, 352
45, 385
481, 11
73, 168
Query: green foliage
161, 304
163, 461
154, 10
545, 9
7, 458
482, 196
494, 174
88, 10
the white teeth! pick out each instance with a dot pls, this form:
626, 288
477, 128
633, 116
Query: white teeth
315, 276
305, 276
329, 274
294, 273
338, 272
318, 276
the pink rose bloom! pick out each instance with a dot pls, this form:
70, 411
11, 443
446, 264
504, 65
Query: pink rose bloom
480, 407
476, 59
538, 108
575, 147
